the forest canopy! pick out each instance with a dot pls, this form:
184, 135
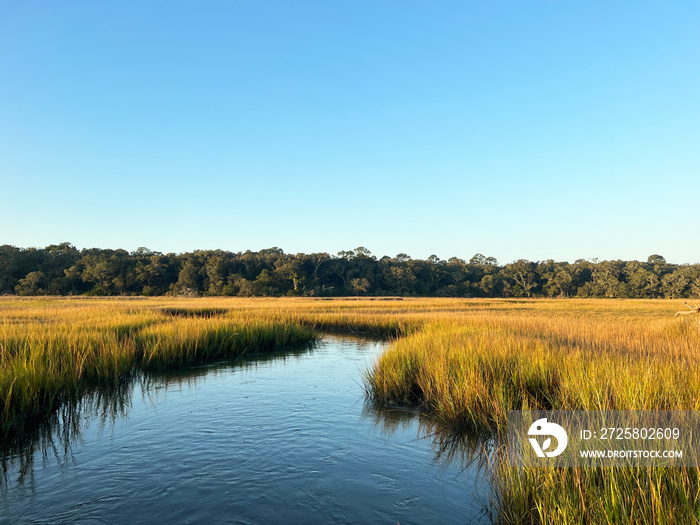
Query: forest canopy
62, 269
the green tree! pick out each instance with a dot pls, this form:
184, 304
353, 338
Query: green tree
491, 285
642, 282
101, 272
293, 269
399, 279
215, 274
30, 285
188, 279
520, 275
360, 286
563, 281
677, 284
606, 279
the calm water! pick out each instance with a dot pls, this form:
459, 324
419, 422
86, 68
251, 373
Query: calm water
282, 439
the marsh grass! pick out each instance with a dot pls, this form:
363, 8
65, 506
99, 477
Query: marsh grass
468, 362
195, 312
55, 351
634, 495
592, 355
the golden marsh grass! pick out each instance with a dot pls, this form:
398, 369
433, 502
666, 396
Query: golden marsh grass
466, 361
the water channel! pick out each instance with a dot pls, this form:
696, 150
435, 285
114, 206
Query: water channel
284, 438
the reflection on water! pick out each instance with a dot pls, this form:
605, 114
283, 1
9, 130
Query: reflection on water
55, 436
450, 449
286, 437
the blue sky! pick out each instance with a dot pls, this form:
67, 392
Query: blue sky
523, 129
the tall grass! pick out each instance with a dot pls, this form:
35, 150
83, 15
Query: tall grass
629, 495
55, 350
473, 372
467, 361
630, 355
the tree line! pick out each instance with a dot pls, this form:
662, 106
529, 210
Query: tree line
62, 269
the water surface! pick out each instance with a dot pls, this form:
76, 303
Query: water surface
286, 438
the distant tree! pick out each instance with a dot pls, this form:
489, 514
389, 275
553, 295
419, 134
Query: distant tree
9, 277
694, 288
30, 285
343, 267
520, 275
642, 282
361, 251
360, 286
268, 284
427, 274
150, 275
53, 263
295, 270
215, 272
74, 278
606, 279
491, 285
101, 271
317, 259
399, 279
188, 278
456, 271
677, 284
62, 269
478, 259
365, 266
563, 280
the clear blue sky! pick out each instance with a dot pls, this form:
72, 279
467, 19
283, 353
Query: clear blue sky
523, 129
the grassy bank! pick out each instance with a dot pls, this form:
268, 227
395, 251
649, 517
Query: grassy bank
626, 495
578, 355
52, 350
472, 371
